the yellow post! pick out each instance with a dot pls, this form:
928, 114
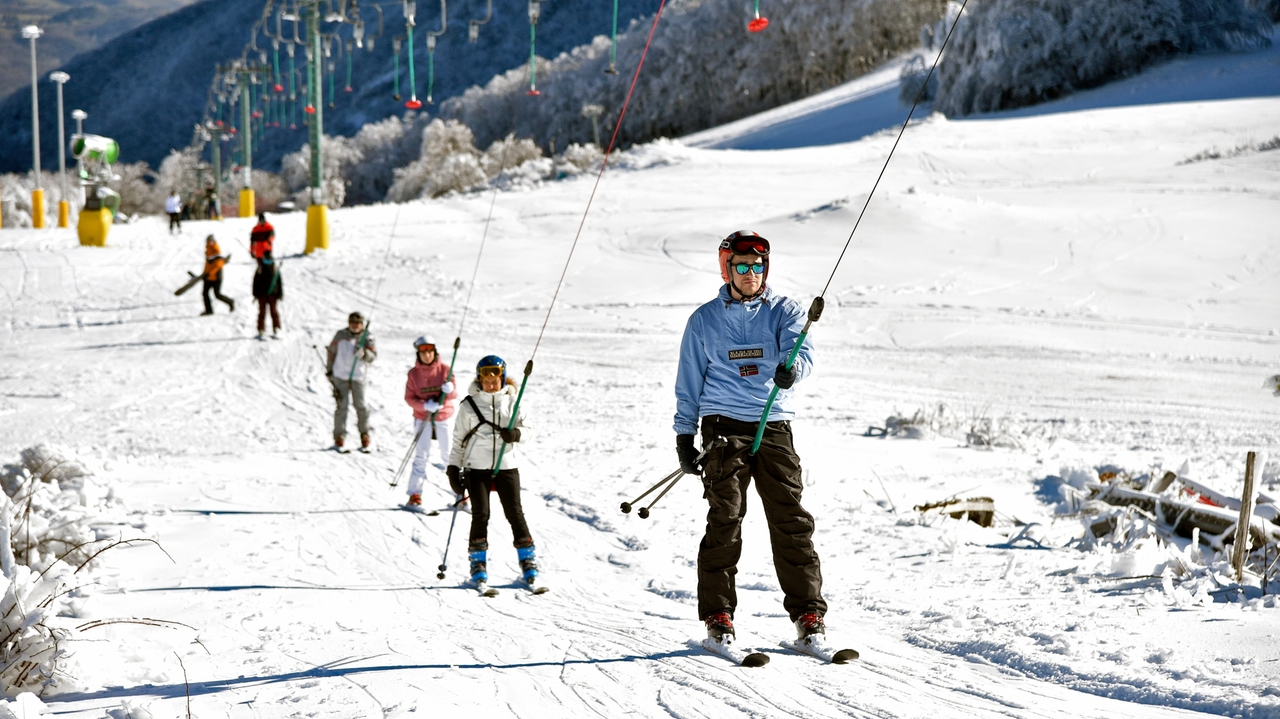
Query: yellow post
64, 213
37, 208
94, 226
317, 228
247, 204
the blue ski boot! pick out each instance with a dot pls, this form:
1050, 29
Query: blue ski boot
479, 568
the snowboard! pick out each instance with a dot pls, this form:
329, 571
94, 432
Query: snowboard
190, 283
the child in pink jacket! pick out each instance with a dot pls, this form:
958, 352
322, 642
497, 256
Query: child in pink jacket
430, 392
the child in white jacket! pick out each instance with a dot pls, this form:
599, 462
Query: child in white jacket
485, 438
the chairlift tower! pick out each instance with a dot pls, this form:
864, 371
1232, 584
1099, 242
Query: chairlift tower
317, 211
245, 75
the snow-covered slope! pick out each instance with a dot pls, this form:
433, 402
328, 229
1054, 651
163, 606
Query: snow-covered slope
1063, 271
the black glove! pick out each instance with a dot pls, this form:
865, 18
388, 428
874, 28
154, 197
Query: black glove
455, 479
688, 454
510, 436
784, 377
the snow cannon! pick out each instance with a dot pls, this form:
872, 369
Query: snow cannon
94, 156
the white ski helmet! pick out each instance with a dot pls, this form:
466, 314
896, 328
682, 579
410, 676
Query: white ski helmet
424, 340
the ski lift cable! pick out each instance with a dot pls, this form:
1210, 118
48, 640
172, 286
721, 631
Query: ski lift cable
815, 310
604, 163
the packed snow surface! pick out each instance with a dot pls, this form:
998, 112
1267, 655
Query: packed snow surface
1065, 273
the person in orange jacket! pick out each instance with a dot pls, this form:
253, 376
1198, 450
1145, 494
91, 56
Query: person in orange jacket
262, 237
213, 263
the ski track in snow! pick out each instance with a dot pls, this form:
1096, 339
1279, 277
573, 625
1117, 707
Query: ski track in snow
1061, 271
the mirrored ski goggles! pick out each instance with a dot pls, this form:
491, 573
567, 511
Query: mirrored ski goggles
743, 267
431, 348
748, 246
491, 371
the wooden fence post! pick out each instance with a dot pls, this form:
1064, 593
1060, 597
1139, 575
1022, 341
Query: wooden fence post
1241, 548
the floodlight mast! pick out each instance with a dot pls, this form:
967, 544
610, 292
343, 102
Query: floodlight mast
64, 208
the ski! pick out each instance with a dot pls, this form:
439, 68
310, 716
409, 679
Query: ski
724, 648
817, 647
533, 588
339, 450
419, 509
366, 450
485, 590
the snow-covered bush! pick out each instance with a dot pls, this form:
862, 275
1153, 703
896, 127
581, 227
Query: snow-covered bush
449, 162
579, 158
1011, 53
336, 154
32, 657
51, 499
977, 428
15, 192
357, 169
509, 153
703, 69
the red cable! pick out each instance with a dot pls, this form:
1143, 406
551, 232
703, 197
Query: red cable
603, 164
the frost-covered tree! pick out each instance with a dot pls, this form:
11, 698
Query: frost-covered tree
140, 192
337, 154
703, 69
1011, 53
15, 194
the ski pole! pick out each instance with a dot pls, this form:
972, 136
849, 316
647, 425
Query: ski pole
626, 506
325, 364
445, 561
815, 312
669, 480
413, 445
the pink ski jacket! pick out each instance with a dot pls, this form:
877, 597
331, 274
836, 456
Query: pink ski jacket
424, 384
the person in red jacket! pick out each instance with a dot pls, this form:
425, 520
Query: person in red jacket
430, 392
262, 237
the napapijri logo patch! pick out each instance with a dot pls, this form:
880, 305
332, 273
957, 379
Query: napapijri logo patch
757, 353
746, 370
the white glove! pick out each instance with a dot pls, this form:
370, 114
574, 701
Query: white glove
446, 388
431, 405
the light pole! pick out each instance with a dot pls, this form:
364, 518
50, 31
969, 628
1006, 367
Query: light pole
64, 207
31, 32
79, 116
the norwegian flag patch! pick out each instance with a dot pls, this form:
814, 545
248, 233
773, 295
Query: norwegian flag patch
746, 370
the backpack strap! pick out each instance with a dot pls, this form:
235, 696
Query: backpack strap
470, 401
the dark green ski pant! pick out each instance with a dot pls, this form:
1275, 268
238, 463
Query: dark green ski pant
727, 473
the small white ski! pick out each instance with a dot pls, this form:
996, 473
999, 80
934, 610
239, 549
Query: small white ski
817, 647
724, 647
340, 450
419, 509
485, 590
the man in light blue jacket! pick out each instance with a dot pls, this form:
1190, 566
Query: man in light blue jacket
733, 352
